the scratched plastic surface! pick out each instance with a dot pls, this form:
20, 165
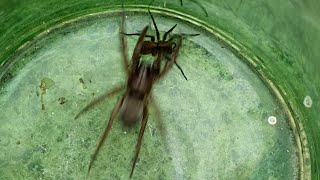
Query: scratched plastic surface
216, 122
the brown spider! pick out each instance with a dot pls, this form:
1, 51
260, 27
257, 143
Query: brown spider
133, 105
164, 47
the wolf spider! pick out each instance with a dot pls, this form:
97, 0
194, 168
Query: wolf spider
161, 46
133, 105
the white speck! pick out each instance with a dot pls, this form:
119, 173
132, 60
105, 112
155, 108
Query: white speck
307, 102
52, 113
125, 132
272, 120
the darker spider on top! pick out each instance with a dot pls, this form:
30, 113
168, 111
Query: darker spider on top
160, 47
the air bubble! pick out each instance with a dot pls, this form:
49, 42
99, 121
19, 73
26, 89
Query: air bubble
272, 120
307, 102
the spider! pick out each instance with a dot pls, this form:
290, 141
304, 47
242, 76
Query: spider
161, 46
133, 105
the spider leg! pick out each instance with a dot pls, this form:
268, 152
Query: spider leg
188, 35
158, 118
166, 33
159, 124
136, 52
179, 67
106, 131
151, 2
172, 60
140, 136
200, 5
138, 34
123, 44
100, 99
155, 26
180, 70
182, 35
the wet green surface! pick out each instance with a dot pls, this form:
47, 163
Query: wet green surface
216, 122
284, 35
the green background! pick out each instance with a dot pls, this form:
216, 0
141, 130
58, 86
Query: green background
281, 37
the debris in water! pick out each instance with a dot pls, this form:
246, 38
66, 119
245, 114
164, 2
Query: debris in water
83, 84
62, 100
46, 83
